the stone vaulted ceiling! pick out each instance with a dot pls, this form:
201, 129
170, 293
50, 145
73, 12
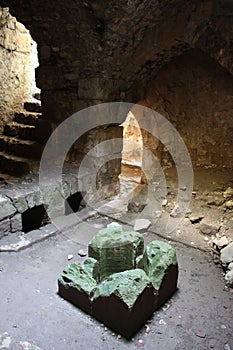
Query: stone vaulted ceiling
129, 40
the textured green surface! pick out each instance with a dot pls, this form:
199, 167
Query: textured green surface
140, 262
78, 277
127, 285
157, 258
117, 266
91, 266
115, 250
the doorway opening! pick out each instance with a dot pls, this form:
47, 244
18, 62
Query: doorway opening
132, 153
74, 203
34, 218
18, 61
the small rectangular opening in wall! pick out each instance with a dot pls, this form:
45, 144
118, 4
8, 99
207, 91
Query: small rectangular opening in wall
34, 218
74, 203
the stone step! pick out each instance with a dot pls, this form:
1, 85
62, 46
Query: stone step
24, 132
27, 118
5, 179
22, 148
17, 166
37, 96
32, 107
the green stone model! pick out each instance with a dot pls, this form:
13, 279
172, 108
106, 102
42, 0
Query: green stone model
120, 284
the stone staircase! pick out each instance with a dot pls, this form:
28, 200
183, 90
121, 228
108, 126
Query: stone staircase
19, 150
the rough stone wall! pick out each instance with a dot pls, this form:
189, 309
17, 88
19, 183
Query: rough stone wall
106, 171
94, 51
90, 51
17, 66
196, 94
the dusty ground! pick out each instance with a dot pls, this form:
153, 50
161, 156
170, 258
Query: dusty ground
198, 317
207, 203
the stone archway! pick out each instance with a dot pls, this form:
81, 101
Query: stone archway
132, 151
18, 61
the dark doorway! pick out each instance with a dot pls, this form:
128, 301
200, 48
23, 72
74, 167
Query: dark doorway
74, 203
34, 218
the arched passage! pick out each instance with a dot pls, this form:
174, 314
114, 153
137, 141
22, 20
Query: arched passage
132, 151
18, 61
194, 92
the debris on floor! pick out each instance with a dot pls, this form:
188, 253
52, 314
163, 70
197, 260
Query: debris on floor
82, 253
142, 225
200, 334
7, 342
224, 250
208, 229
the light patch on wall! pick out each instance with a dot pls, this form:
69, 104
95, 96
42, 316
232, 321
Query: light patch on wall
132, 148
18, 60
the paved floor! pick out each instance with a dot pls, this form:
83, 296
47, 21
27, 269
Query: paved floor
198, 317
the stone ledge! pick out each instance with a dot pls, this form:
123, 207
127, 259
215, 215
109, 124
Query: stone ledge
19, 240
21, 195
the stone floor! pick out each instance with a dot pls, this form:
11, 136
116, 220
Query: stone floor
33, 316
198, 317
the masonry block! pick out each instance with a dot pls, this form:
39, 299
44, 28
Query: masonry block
6, 208
20, 203
35, 198
16, 223
4, 227
115, 250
